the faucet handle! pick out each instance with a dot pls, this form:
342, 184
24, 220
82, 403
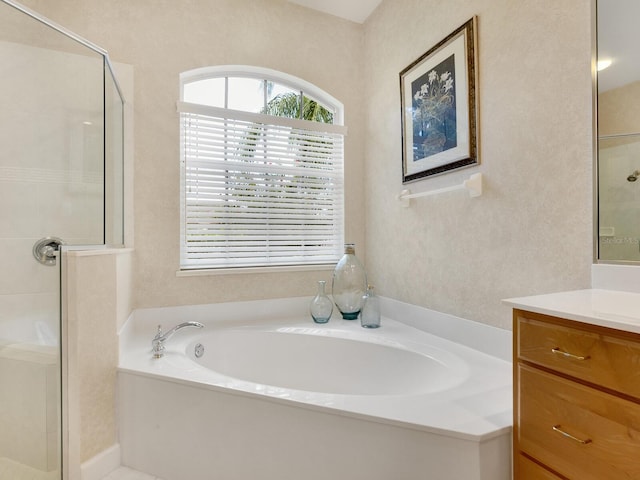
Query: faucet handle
158, 344
158, 350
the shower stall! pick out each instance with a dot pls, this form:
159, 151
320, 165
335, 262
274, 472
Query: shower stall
61, 188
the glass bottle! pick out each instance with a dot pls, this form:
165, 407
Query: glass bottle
349, 284
321, 306
370, 315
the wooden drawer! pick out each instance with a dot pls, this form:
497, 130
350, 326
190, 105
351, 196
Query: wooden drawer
606, 428
602, 356
530, 470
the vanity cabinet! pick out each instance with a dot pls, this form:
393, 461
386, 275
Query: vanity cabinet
576, 400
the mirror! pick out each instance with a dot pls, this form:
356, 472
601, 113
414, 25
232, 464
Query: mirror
618, 131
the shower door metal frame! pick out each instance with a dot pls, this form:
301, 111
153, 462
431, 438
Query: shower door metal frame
68, 33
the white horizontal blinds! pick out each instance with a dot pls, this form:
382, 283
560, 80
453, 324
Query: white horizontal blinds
260, 190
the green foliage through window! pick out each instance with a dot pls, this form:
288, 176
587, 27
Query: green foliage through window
288, 105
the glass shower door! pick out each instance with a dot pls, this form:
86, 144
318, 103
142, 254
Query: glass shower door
51, 187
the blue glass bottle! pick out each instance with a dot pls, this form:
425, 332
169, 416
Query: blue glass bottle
370, 315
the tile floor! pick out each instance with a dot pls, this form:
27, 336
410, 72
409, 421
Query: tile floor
124, 473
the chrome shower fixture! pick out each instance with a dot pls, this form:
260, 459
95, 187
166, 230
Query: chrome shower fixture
634, 176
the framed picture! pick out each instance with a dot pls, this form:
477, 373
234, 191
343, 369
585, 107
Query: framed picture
439, 107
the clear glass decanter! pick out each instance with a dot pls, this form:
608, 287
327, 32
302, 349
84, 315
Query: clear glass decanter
321, 306
370, 315
349, 284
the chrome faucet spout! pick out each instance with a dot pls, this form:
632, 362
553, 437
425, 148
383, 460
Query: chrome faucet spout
158, 341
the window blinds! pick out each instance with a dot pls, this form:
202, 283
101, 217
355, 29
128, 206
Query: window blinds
259, 190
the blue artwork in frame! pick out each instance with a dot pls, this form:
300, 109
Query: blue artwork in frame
438, 98
434, 110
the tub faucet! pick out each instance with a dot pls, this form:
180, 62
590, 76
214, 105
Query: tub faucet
158, 341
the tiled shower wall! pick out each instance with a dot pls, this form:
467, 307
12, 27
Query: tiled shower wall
50, 185
50, 171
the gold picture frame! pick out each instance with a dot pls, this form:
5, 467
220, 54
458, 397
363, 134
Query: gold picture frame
439, 107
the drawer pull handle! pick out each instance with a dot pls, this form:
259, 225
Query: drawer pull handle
558, 428
569, 355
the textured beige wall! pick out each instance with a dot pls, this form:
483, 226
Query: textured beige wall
95, 305
92, 351
162, 38
172, 39
531, 231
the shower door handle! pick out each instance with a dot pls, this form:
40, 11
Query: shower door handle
45, 250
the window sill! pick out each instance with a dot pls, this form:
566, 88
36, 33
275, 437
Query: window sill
253, 270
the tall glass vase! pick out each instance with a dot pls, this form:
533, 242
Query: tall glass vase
349, 284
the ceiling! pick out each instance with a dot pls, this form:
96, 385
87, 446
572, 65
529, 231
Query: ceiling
354, 10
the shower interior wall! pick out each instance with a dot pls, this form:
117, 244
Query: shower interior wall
51, 182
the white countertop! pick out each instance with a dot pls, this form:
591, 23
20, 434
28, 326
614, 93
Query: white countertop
606, 308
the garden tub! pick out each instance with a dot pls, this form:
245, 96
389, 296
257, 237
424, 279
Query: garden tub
263, 392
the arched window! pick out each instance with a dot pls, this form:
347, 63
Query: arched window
262, 170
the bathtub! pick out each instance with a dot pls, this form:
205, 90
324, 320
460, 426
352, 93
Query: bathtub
263, 392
